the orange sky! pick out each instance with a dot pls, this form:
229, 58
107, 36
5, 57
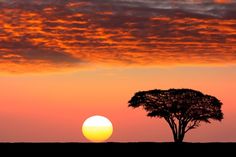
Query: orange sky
53, 107
61, 35
63, 61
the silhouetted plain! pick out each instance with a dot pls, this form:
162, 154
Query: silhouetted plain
123, 149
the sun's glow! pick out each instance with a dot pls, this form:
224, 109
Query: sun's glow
97, 128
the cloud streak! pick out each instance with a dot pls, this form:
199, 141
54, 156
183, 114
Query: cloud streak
50, 35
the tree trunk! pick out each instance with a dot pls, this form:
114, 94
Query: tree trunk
178, 132
175, 137
179, 138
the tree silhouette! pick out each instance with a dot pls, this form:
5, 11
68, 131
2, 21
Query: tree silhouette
183, 109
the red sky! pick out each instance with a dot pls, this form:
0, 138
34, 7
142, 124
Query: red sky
52, 107
63, 61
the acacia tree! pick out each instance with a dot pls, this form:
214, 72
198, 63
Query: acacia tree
183, 109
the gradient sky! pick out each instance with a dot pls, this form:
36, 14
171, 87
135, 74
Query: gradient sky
62, 61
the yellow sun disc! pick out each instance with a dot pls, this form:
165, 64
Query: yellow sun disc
97, 129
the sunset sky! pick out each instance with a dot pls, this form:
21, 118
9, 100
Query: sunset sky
62, 61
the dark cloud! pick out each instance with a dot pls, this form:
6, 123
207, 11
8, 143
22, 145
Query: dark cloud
136, 32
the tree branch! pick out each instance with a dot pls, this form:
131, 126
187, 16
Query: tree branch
171, 124
193, 125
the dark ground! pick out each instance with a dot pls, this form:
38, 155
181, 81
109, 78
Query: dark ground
134, 149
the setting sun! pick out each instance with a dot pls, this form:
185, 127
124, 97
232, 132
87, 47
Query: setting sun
97, 128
